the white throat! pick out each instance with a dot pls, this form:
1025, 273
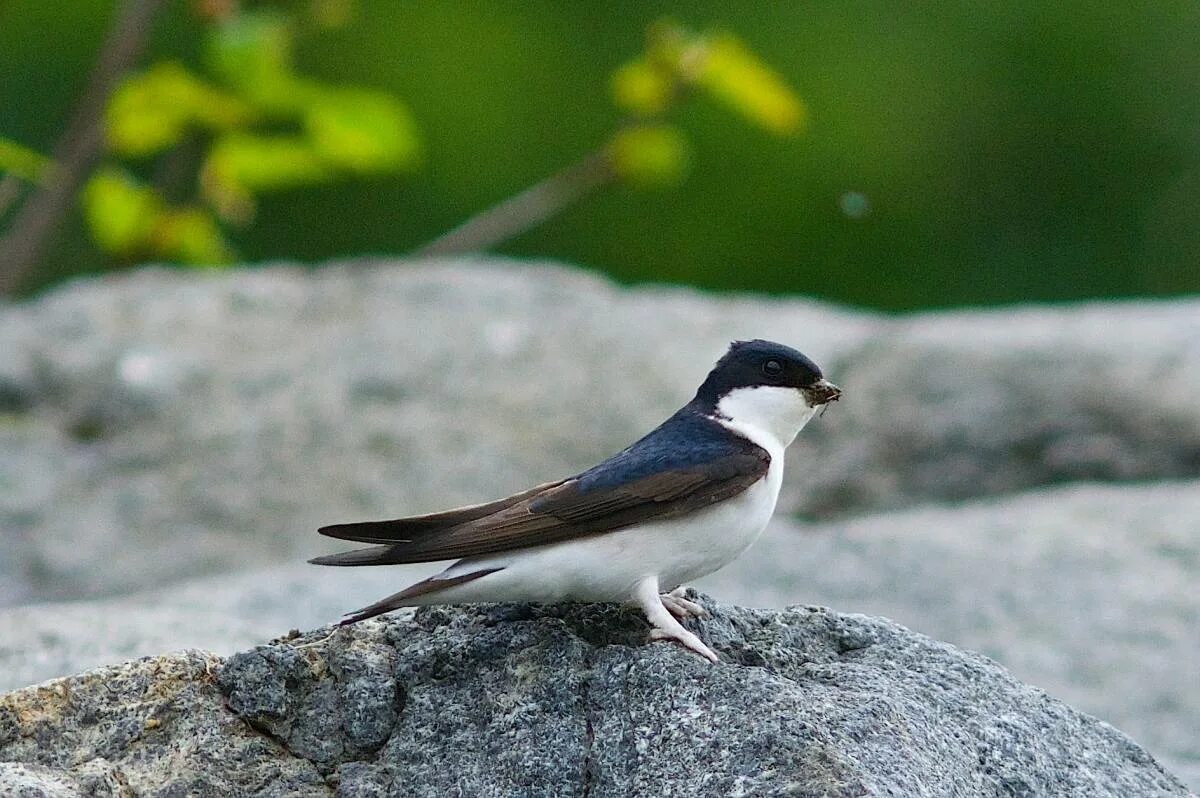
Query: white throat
769, 416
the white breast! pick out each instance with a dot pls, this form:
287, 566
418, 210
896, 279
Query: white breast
769, 416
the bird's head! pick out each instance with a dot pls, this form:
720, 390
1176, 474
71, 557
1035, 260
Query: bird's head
767, 386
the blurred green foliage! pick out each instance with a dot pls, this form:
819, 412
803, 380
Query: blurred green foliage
21, 162
955, 152
649, 155
262, 128
676, 63
266, 129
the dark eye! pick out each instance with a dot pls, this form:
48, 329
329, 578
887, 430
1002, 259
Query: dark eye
772, 368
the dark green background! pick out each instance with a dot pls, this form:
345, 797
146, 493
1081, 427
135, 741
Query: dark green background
1009, 151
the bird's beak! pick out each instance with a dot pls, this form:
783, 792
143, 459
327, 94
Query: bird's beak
821, 392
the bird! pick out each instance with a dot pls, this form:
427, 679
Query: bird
679, 503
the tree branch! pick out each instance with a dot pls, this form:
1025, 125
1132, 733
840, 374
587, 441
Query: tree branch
525, 211
10, 189
78, 149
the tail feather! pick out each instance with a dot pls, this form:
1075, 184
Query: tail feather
371, 555
402, 599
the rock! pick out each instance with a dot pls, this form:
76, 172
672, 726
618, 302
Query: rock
168, 426
1090, 592
154, 726
570, 700
39, 782
210, 421
951, 406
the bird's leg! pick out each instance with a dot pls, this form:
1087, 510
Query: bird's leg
682, 608
665, 625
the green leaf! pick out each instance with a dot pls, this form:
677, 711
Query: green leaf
120, 213
251, 49
240, 165
131, 220
363, 131
150, 111
252, 53
649, 155
642, 87
668, 45
192, 236
734, 75
22, 162
266, 163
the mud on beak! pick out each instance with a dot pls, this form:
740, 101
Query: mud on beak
821, 392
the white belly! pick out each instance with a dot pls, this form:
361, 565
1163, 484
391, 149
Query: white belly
606, 567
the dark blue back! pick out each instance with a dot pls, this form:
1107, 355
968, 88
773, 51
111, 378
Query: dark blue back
685, 440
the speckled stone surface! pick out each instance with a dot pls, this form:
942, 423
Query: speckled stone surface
499, 700
154, 726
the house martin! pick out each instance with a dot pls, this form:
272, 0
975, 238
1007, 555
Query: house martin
676, 505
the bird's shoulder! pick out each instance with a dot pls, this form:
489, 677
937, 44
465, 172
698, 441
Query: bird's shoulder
688, 442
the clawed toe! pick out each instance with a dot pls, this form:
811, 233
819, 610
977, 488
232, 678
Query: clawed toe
681, 607
687, 640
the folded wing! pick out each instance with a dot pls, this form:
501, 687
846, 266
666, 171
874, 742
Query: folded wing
553, 512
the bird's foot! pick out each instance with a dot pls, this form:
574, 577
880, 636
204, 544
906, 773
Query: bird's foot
686, 639
662, 619
682, 608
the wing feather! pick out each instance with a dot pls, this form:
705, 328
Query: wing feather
405, 529
551, 513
